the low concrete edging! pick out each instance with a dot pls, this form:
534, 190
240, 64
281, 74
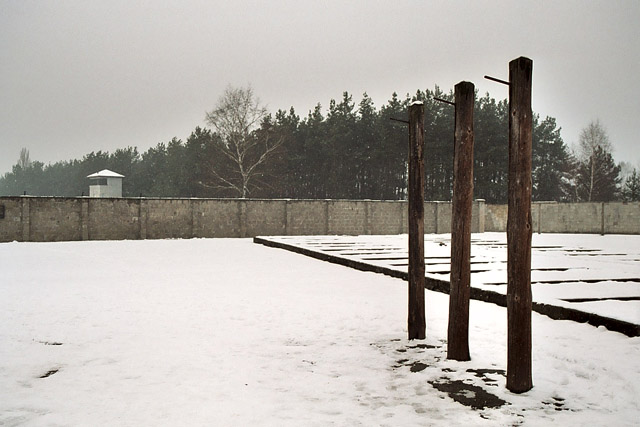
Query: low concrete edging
552, 311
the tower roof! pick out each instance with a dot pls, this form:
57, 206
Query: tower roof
105, 173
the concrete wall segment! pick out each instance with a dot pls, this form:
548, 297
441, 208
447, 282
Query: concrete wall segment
11, 224
28, 218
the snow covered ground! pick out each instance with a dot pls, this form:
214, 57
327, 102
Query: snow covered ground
585, 272
230, 333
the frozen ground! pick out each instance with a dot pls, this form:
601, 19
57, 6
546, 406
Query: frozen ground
590, 273
230, 333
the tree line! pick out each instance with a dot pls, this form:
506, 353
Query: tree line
351, 151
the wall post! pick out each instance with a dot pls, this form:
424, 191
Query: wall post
192, 223
287, 231
143, 210
326, 217
25, 218
482, 212
367, 217
242, 217
84, 218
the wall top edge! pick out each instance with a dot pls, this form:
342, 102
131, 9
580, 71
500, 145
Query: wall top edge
573, 203
20, 197
200, 198
222, 198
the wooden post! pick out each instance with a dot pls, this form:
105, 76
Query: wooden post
416, 320
519, 228
458, 330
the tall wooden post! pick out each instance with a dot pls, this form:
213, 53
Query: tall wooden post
519, 228
458, 331
416, 320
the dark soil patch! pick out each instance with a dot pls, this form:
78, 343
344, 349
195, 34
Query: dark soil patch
557, 403
418, 366
400, 363
482, 374
49, 373
468, 394
423, 346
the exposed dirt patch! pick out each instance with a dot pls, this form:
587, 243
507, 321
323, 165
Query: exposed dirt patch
468, 394
49, 373
557, 403
423, 346
482, 374
418, 366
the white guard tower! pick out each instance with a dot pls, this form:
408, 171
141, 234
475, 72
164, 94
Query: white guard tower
105, 183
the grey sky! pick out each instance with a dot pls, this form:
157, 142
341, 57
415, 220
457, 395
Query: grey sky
78, 76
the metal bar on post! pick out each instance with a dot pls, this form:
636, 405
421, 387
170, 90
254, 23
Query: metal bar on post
416, 317
519, 379
444, 100
497, 80
460, 279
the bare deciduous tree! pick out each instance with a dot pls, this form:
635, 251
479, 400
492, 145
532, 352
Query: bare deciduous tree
235, 119
593, 139
24, 161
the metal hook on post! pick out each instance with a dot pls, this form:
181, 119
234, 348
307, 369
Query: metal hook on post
445, 101
504, 82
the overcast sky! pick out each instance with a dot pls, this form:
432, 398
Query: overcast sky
78, 76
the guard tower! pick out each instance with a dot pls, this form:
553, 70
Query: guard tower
105, 183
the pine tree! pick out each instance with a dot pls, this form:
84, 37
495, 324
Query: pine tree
391, 154
197, 159
550, 163
631, 188
491, 129
439, 146
341, 148
366, 141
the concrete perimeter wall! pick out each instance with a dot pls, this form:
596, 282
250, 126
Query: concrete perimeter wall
46, 219
552, 217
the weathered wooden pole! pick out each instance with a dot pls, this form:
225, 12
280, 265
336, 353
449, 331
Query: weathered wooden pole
519, 228
460, 281
416, 319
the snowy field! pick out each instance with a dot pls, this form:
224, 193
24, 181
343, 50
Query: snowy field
225, 332
585, 272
